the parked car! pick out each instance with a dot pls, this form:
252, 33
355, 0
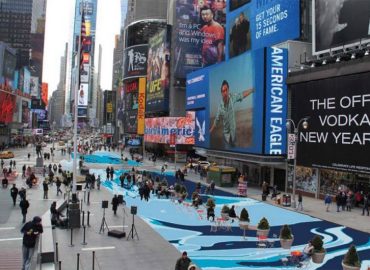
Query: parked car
6, 154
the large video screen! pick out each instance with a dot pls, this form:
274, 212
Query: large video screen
340, 22
338, 133
197, 84
159, 130
236, 98
7, 107
158, 73
200, 34
135, 61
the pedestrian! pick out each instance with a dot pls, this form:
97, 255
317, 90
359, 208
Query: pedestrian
192, 267
98, 182
14, 193
337, 200
5, 182
327, 201
2, 163
111, 172
366, 204
11, 163
22, 193
29, 156
31, 230
107, 170
45, 187
183, 262
115, 203
300, 201
14, 164
24, 171
24, 204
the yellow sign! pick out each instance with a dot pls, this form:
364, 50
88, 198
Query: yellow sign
141, 107
109, 107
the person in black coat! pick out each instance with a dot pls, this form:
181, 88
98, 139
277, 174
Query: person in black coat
24, 204
115, 203
14, 193
31, 230
45, 187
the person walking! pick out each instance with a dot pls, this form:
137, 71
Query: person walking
45, 187
183, 262
24, 204
98, 182
14, 164
111, 172
24, 171
107, 170
300, 201
115, 203
327, 201
366, 204
31, 230
14, 193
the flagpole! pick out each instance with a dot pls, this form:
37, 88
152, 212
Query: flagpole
74, 186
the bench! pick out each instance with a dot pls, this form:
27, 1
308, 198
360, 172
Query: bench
47, 250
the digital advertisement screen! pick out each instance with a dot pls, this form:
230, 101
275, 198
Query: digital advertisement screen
339, 23
7, 107
130, 123
135, 61
133, 141
9, 64
82, 112
83, 94
338, 132
200, 36
236, 104
27, 80
158, 73
25, 111
34, 86
41, 114
197, 84
44, 93
159, 130
121, 103
201, 133
85, 73
131, 95
234, 4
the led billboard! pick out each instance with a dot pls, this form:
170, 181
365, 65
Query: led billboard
9, 64
130, 123
234, 4
135, 61
200, 34
338, 133
34, 86
197, 84
83, 93
158, 76
44, 93
201, 133
27, 80
121, 104
239, 34
339, 23
159, 130
25, 111
85, 73
236, 98
141, 107
7, 106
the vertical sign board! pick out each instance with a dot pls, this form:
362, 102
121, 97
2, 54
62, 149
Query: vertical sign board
291, 146
276, 101
141, 107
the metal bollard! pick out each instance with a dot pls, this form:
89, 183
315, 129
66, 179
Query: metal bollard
88, 197
56, 252
84, 240
84, 195
60, 265
83, 218
93, 261
71, 245
78, 261
88, 218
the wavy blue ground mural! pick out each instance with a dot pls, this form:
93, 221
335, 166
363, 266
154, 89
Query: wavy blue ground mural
188, 229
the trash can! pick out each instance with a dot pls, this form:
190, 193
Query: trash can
286, 200
264, 196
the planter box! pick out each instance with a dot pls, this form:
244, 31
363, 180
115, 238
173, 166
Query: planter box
347, 267
263, 232
318, 257
286, 243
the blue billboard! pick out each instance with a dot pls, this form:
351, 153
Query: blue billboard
197, 90
276, 101
236, 97
260, 24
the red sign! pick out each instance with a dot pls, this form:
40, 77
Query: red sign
44, 93
7, 106
172, 140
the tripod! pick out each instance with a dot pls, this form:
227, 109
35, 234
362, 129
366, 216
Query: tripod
103, 223
133, 231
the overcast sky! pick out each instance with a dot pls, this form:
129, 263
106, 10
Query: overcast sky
59, 26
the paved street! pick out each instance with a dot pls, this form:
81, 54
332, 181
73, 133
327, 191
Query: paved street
151, 251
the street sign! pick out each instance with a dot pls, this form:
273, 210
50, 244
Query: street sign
291, 146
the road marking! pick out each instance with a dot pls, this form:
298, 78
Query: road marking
97, 248
7, 228
118, 226
10, 239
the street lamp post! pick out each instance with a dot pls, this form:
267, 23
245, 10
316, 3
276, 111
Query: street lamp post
53, 138
290, 123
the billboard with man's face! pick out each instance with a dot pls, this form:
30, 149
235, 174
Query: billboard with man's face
200, 34
235, 111
338, 23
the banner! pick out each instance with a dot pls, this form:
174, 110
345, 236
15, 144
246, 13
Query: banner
200, 35
34, 86
27, 81
44, 93
25, 112
135, 61
159, 130
141, 107
7, 107
339, 23
338, 132
158, 76
276, 101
